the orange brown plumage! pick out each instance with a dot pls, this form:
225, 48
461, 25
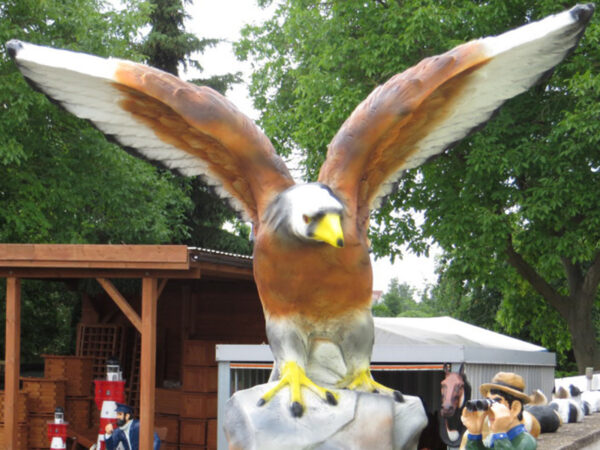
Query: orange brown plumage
203, 123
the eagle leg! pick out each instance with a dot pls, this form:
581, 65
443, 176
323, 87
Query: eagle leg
363, 381
294, 376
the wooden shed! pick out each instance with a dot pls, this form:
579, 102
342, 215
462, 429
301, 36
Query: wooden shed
189, 300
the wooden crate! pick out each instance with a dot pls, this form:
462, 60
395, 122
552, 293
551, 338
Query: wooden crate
21, 407
76, 370
199, 405
211, 434
200, 379
22, 443
43, 394
199, 353
38, 430
192, 431
171, 425
95, 416
167, 401
169, 446
78, 412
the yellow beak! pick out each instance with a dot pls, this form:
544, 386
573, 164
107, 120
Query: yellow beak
329, 230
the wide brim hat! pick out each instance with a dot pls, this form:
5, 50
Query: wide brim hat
508, 382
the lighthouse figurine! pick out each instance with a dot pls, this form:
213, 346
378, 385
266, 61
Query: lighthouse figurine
108, 393
57, 430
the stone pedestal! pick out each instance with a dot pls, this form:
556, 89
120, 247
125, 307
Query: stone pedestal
359, 421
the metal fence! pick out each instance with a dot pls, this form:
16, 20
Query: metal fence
247, 375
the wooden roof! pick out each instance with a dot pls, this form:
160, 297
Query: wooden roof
119, 261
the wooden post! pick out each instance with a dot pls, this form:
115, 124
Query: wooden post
13, 361
121, 302
148, 362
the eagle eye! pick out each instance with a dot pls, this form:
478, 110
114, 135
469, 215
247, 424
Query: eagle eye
307, 219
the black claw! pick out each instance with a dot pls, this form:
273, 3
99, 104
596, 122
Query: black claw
297, 409
375, 391
398, 397
331, 398
261, 402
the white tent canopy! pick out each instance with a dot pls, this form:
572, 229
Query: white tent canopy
446, 331
430, 339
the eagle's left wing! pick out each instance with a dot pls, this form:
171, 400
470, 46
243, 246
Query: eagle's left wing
189, 129
429, 107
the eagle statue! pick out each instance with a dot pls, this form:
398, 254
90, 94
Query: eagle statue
311, 251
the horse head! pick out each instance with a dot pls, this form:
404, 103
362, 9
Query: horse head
456, 390
453, 391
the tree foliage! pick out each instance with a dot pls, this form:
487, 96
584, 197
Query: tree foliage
514, 207
169, 46
397, 301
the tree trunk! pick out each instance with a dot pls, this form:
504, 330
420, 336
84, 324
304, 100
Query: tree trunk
576, 309
583, 333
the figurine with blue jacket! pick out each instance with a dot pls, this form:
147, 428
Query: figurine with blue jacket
127, 433
502, 407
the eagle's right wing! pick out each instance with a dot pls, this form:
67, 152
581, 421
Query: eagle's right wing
189, 129
424, 110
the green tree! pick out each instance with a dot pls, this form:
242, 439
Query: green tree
397, 301
514, 207
470, 302
168, 46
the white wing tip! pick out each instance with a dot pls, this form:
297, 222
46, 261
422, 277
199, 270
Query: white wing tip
31, 55
570, 22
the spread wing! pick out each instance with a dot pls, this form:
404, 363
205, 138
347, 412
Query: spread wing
429, 107
190, 129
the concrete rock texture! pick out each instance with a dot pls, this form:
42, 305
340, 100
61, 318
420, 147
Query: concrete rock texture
359, 421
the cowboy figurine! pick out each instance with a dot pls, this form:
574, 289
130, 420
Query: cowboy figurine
506, 394
128, 433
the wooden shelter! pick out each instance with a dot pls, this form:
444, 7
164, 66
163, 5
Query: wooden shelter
219, 318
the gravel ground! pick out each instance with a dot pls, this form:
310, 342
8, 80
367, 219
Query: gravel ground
574, 436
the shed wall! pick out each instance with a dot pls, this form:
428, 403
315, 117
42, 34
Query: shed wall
535, 377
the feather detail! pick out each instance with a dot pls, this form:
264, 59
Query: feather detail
428, 108
189, 129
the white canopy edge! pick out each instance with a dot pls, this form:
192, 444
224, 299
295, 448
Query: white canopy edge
443, 331
425, 340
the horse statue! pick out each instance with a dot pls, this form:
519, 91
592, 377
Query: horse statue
456, 391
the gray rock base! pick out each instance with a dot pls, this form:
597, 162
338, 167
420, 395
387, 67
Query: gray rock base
359, 421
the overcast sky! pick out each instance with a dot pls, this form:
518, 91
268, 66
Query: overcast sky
224, 19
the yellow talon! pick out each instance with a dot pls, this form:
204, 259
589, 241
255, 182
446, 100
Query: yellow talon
294, 376
364, 381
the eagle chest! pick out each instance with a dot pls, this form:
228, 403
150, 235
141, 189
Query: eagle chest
314, 280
